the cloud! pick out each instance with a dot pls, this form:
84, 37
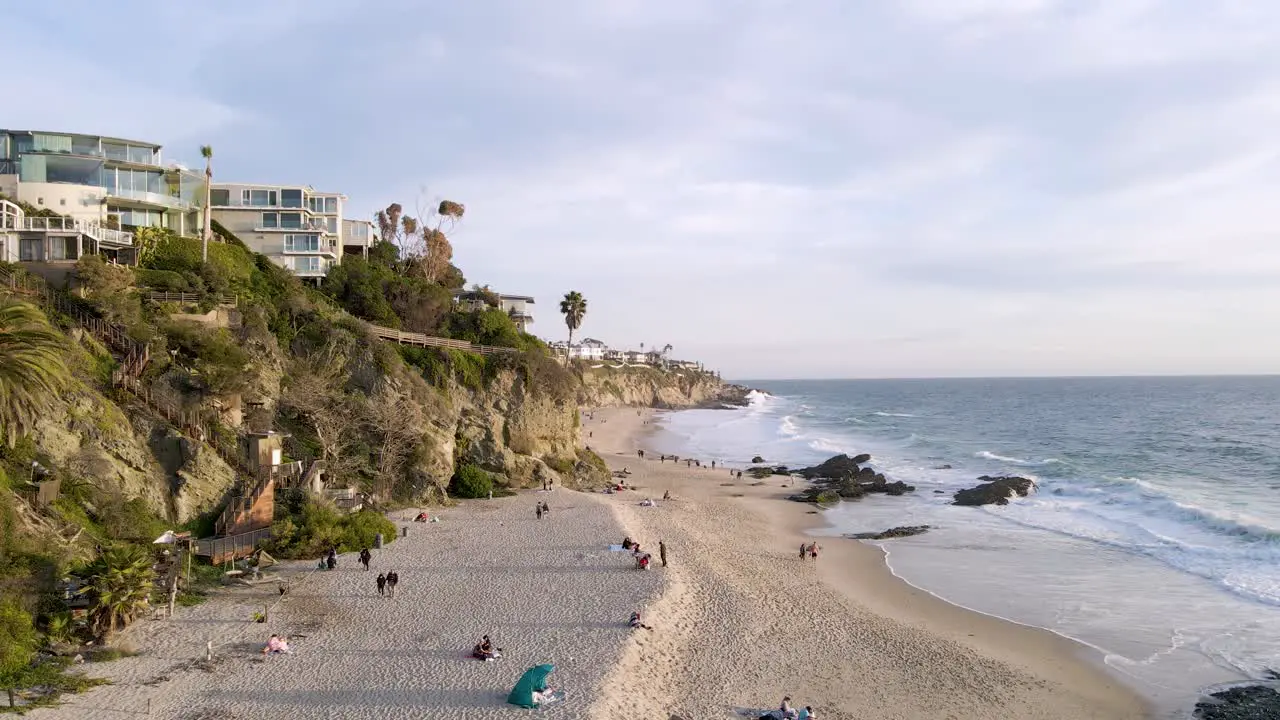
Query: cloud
821, 189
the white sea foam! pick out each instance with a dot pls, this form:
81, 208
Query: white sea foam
988, 455
889, 414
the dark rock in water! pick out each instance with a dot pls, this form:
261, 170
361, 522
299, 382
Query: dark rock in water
943, 467
836, 468
760, 472
898, 532
781, 470
757, 460
862, 459
939, 492
1252, 702
850, 490
994, 491
866, 473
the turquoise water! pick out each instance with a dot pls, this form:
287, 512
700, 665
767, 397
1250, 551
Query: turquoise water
1154, 535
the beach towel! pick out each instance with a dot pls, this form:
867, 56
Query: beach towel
617, 548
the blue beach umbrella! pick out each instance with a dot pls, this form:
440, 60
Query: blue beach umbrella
533, 680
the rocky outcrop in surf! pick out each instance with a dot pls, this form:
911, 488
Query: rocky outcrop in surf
846, 478
995, 491
898, 532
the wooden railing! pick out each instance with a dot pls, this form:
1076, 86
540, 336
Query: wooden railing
220, 549
411, 338
186, 297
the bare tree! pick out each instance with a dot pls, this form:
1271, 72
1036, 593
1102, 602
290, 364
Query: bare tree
397, 423
315, 391
425, 249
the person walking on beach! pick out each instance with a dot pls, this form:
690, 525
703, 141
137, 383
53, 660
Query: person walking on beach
713, 464
392, 580
813, 551
546, 509
382, 584
365, 557
662, 552
804, 551
538, 511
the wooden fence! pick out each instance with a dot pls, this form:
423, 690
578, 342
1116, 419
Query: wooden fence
186, 297
411, 338
221, 549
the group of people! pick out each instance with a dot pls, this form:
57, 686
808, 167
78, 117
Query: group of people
643, 558
787, 712
387, 583
809, 550
542, 509
330, 560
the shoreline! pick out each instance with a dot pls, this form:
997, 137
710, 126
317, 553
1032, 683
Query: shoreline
1058, 676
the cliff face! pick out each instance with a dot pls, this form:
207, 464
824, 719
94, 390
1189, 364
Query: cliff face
650, 387
119, 451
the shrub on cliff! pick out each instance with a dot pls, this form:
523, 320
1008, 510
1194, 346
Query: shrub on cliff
471, 482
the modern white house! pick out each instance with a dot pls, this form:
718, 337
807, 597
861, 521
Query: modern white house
516, 306
296, 226
357, 237
88, 193
589, 349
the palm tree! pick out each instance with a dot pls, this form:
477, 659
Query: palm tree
206, 151
32, 369
574, 308
120, 584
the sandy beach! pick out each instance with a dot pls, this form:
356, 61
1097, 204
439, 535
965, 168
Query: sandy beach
547, 591
742, 621
739, 622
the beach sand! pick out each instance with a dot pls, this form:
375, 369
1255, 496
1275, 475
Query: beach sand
739, 622
547, 591
742, 621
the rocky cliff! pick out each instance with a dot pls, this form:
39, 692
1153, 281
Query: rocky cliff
652, 387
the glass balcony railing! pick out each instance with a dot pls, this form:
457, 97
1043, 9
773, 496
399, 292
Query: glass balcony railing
150, 197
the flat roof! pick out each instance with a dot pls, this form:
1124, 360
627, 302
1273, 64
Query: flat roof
109, 138
276, 186
503, 296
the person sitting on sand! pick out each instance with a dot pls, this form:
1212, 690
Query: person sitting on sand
635, 622
422, 517
808, 714
627, 543
787, 712
277, 645
643, 562
484, 650
666, 495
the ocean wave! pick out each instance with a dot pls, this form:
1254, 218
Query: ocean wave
889, 414
988, 455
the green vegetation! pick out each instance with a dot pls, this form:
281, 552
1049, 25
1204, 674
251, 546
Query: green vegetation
311, 526
471, 482
120, 584
32, 369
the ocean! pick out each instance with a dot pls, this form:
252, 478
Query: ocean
1153, 536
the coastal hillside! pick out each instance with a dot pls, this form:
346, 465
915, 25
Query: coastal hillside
608, 385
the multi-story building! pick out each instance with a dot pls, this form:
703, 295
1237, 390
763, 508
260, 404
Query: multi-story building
99, 187
294, 225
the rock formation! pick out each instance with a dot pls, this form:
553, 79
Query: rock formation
995, 491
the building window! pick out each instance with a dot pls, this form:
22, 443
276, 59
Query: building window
331, 224
291, 198
142, 155
51, 143
307, 265
291, 220
29, 250
270, 220
302, 243
259, 198
331, 205
115, 151
220, 197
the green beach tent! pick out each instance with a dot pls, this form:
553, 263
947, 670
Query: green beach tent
533, 680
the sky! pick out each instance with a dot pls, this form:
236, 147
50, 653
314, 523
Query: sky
818, 189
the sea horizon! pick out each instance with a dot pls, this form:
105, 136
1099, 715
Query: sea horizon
907, 378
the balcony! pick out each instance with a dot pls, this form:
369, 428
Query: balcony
104, 235
150, 198
313, 225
